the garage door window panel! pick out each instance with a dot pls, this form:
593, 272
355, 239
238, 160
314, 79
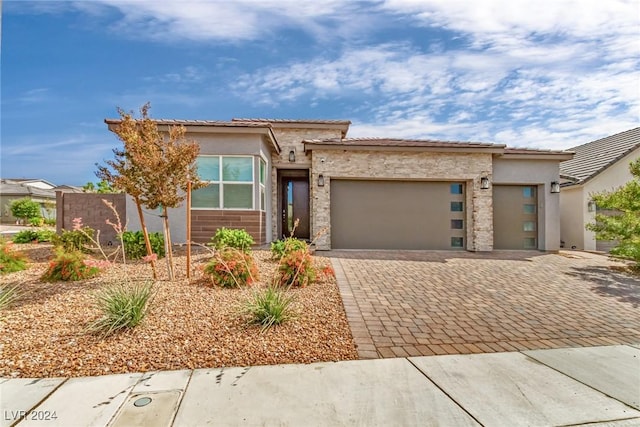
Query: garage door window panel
457, 242
457, 188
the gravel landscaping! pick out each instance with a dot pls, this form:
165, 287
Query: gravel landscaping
190, 324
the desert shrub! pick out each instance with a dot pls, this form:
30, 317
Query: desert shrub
28, 236
25, 208
123, 306
328, 272
70, 266
74, 240
231, 268
10, 259
45, 235
232, 238
296, 269
25, 236
269, 307
9, 293
36, 221
281, 247
135, 248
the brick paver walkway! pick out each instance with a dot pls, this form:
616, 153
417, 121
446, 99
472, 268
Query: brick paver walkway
412, 303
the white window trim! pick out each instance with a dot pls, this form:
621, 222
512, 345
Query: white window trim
221, 184
262, 186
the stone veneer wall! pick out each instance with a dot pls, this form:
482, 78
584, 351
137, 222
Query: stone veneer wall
289, 139
205, 223
432, 166
93, 211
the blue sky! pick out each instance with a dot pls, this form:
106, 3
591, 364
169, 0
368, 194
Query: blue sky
537, 73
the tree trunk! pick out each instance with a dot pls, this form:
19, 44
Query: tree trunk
189, 230
147, 242
167, 242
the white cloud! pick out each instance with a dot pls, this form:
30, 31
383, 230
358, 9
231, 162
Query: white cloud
237, 20
523, 72
521, 18
34, 96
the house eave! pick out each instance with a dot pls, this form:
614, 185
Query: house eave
396, 148
193, 126
538, 156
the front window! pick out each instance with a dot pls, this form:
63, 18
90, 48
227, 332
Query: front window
229, 183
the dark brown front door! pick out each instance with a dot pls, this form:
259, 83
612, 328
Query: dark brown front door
295, 206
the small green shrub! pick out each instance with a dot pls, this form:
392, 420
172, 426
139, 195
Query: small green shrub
296, 269
36, 221
28, 236
269, 307
70, 266
45, 235
74, 240
50, 222
231, 268
8, 295
232, 238
25, 208
25, 236
123, 306
281, 247
135, 248
10, 259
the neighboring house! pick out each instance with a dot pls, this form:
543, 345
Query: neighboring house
598, 166
38, 190
364, 193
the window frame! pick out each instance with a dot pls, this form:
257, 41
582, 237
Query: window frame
262, 184
221, 183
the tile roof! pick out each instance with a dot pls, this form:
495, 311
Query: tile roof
221, 123
596, 156
16, 189
297, 121
392, 142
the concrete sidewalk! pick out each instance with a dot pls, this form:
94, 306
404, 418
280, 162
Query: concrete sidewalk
556, 387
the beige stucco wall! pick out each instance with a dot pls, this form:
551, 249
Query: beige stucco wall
573, 217
539, 173
575, 214
291, 139
425, 166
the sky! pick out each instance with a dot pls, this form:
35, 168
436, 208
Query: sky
548, 74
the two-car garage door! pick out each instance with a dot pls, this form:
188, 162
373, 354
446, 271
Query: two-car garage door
368, 214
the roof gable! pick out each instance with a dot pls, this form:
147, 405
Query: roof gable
594, 157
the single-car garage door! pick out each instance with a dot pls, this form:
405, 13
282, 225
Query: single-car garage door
397, 215
515, 217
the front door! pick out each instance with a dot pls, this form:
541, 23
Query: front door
295, 207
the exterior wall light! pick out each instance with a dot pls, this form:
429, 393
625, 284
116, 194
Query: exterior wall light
320, 180
591, 206
555, 187
484, 183
292, 156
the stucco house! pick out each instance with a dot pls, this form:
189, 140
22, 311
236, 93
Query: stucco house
38, 190
368, 193
597, 166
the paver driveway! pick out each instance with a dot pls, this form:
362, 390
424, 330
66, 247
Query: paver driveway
411, 303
